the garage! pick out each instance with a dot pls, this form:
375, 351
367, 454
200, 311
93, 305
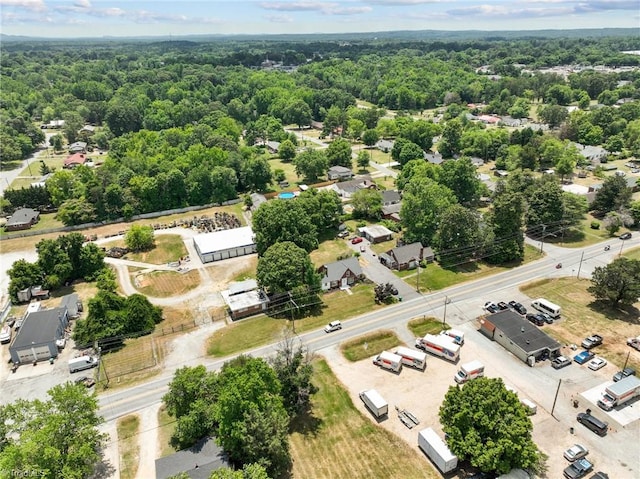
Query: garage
36, 338
225, 244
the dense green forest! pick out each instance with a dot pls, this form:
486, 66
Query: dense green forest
184, 122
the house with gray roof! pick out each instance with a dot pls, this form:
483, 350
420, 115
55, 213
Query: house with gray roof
390, 197
73, 304
434, 158
78, 147
407, 256
339, 173
340, 274
38, 336
595, 154
346, 189
384, 145
376, 233
392, 212
256, 200
22, 219
198, 461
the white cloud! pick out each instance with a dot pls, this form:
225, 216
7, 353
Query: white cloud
392, 3
346, 10
279, 18
31, 5
82, 3
298, 6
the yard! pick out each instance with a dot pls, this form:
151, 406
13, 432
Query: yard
582, 317
162, 284
337, 441
329, 251
167, 248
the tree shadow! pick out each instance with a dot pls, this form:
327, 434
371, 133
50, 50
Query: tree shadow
628, 314
306, 423
10, 165
104, 470
468, 267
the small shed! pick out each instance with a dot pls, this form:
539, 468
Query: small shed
243, 302
340, 274
73, 304
22, 219
376, 233
38, 336
520, 337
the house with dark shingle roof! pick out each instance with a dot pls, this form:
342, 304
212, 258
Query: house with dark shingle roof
22, 219
346, 189
390, 197
340, 274
78, 147
407, 256
198, 461
392, 212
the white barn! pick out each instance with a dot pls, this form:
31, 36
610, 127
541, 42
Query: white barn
225, 244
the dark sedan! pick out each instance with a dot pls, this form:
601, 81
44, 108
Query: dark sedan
536, 319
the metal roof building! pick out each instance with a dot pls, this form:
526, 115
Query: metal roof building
519, 336
36, 339
225, 244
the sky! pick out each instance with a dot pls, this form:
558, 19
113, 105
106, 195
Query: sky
99, 18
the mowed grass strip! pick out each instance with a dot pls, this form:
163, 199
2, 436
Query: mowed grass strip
166, 427
369, 345
259, 330
581, 316
339, 442
168, 248
426, 325
128, 429
163, 284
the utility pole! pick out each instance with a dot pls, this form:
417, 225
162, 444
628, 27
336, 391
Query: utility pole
580, 265
544, 229
444, 316
418, 282
626, 361
556, 398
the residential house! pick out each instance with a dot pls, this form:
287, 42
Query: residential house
595, 154
78, 147
74, 160
477, 162
318, 125
198, 461
339, 173
390, 197
273, 146
376, 233
340, 274
256, 200
512, 122
392, 212
500, 173
384, 145
346, 189
22, 219
489, 119
407, 256
41, 182
434, 158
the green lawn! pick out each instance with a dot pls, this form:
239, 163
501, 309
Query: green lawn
128, 429
426, 325
258, 330
329, 250
337, 441
47, 221
369, 345
289, 173
168, 248
633, 254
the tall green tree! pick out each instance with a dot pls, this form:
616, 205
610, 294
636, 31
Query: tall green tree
545, 206
617, 282
284, 267
324, 208
451, 135
339, 153
139, 238
57, 437
281, 220
287, 151
23, 274
486, 425
506, 219
460, 176
613, 195
367, 203
370, 137
311, 164
256, 173
458, 237
224, 182
423, 202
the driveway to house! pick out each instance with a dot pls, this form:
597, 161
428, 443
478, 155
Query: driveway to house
8, 176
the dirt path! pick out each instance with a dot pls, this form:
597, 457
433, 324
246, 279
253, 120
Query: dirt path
148, 442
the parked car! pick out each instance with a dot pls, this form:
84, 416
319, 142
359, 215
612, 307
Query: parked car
625, 236
343, 234
547, 319
503, 306
517, 307
87, 381
560, 362
491, 307
597, 363
625, 373
583, 356
575, 452
592, 341
578, 469
535, 319
332, 326
634, 343
593, 423
19, 324
356, 240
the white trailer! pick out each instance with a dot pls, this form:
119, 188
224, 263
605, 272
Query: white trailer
456, 334
374, 402
412, 358
619, 393
468, 371
440, 345
389, 361
436, 449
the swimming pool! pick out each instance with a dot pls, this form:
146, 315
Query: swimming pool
287, 195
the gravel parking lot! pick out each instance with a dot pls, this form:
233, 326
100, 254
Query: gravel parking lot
421, 393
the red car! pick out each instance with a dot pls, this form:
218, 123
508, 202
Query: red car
356, 240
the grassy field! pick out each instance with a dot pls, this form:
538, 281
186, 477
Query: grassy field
166, 426
426, 325
258, 330
434, 277
339, 442
369, 345
329, 250
47, 221
289, 173
163, 284
128, 429
167, 248
582, 316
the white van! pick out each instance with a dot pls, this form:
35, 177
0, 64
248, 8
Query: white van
548, 307
82, 362
456, 334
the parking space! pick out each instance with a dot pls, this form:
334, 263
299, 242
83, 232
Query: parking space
624, 415
422, 393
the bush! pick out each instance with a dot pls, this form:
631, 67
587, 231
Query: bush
595, 225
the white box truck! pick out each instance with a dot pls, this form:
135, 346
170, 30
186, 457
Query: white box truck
439, 345
619, 393
436, 449
468, 371
456, 334
374, 402
389, 361
412, 358
82, 362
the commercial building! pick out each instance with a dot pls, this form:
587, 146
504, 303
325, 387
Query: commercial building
244, 299
39, 336
520, 337
225, 244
